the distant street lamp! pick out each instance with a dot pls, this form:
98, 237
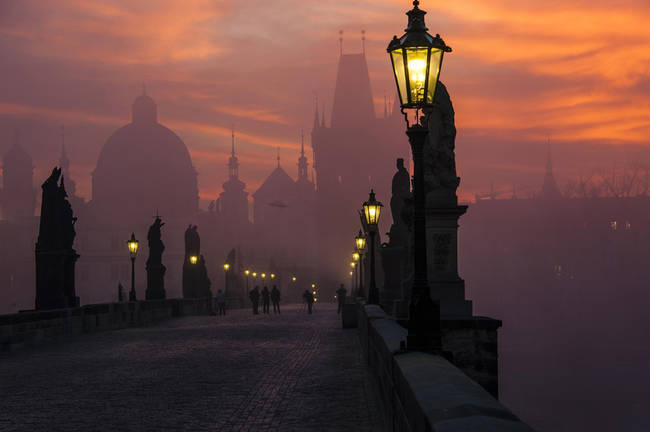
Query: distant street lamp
416, 58
132, 244
372, 212
293, 278
263, 275
272, 275
194, 259
226, 266
247, 272
360, 243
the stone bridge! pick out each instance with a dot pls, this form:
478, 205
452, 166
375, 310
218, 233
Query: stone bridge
239, 372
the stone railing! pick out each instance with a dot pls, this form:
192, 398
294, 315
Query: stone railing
34, 327
424, 392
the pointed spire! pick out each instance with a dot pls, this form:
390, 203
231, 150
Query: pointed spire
232, 151
302, 142
316, 116
550, 189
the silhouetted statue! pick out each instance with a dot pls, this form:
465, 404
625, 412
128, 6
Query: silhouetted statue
255, 299
275, 299
440, 178
401, 192
55, 257
155, 268
196, 283
340, 296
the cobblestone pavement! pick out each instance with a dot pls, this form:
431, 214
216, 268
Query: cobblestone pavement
241, 372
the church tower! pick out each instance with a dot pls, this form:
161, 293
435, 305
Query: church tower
18, 195
550, 189
233, 201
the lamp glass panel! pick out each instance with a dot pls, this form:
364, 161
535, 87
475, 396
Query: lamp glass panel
416, 59
434, 72
397, 56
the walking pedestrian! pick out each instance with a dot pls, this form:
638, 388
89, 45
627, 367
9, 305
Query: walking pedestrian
255, 299
309, 299
275, 298
340, 296
221, 302
265, 300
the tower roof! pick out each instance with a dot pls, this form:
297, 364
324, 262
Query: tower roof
353, 105
278, 184
550, 190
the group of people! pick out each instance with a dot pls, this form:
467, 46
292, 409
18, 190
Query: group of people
268, 297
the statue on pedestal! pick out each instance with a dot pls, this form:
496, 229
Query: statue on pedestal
155, 268
55, 256
196, 283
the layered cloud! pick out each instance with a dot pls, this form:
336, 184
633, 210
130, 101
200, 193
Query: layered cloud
522, 71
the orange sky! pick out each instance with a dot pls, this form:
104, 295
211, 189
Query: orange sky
521, 71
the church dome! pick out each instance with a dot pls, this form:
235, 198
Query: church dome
144, 167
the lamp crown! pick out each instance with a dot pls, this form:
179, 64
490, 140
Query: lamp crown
416, 18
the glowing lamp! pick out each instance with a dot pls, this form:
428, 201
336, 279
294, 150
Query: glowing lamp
313, 292
353, 264
247, 272
226, 266
360, 241
355, 256
313, 285
194, 259
272, 275
416, 58
293, 278
254, 274
372, 210
263, 275
132, 243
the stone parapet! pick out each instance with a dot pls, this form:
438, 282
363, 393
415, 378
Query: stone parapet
34, 327
424, 392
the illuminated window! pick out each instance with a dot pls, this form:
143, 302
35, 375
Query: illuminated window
613, 225
628, 225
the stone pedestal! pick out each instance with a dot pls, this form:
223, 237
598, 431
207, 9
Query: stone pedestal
155, 282
445, 284
55, 282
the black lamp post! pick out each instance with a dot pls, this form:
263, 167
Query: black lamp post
132, 243
360, 243
372, 211
417, 58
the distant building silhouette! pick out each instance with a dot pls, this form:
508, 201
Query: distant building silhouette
355, 153
550, 190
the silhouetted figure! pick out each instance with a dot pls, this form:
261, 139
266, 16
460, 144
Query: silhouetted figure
221, 302
309, 299
255, 299
340, 296
55, 257
155, 268
401, 191
265, 300
275, 298
120, 292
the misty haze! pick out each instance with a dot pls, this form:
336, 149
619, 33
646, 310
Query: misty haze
220, 215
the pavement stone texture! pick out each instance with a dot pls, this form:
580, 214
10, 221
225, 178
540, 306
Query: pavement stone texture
241, 372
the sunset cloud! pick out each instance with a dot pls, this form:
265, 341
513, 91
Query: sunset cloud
521, 71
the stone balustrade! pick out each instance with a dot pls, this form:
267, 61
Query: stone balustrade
34, 327
424, 392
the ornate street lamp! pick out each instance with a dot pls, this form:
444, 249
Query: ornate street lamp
132, 244
360, 243
247, 272
417, 58
372, 212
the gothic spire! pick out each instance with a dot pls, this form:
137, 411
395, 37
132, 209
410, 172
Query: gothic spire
302, 160
233, 162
